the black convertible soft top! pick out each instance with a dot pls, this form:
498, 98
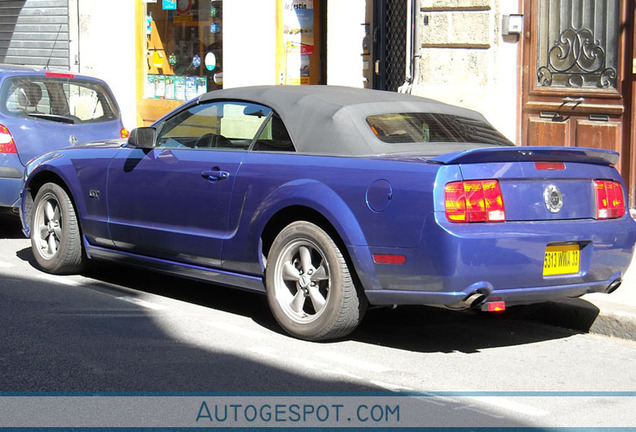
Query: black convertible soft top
332, 119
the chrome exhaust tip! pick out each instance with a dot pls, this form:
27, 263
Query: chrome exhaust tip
613, 286
474, 300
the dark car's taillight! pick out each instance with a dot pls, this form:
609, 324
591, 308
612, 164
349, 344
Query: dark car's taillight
6, 141
474, 201
610, 201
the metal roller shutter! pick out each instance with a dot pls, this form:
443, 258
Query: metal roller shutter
35, 33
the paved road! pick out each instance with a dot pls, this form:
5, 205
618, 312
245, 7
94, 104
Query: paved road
117, 329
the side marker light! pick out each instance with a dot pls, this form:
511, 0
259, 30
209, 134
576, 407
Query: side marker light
389, 259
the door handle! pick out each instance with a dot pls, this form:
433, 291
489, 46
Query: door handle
376, 34
215, 174
576, 100
573, 100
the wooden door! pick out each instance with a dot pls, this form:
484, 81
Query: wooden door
574, 65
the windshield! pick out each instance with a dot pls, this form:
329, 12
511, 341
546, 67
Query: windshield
406, 128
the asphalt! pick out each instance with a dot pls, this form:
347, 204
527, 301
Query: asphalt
607, 314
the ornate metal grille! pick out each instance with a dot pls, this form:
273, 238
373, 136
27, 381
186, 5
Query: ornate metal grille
395, 48
578, 43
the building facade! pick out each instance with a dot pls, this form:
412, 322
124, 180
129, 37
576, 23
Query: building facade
544, 72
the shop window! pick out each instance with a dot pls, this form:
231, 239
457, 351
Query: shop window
184, 46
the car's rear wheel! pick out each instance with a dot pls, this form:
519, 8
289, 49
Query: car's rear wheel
55, 236
310, 288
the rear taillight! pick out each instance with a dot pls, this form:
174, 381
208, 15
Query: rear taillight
610, 201
6, 141
124, 133
474, 201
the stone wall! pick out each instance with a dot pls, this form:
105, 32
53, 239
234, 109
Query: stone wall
465, 59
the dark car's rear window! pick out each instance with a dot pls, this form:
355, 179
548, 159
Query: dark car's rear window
67, 100
403, 128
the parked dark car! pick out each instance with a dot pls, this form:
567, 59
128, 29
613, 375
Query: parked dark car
331, 199
42, 110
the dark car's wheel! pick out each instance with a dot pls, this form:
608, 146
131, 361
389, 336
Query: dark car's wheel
55, 236
310, 289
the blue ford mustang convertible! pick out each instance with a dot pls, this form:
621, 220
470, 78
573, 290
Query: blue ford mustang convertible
331, 199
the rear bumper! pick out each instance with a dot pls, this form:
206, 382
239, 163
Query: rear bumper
11, 173
503, 261
10, 189
511, 297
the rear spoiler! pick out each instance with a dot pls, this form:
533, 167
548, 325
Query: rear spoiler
530, 154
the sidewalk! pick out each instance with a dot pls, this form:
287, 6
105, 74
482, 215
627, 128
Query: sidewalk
608, 314
617, 311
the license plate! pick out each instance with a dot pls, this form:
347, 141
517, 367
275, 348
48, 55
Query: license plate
561, 259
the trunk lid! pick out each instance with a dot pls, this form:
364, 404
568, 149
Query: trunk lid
540, 183
34, 137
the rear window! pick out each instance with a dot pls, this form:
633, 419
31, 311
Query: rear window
58, 99
405, 128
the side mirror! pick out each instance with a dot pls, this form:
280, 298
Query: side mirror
143, 137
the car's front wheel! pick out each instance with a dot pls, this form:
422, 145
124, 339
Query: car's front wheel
55, 235
310, 288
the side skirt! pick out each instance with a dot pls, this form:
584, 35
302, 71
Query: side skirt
214, 276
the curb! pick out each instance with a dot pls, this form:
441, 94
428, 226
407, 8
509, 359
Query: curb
604, 318
584, 316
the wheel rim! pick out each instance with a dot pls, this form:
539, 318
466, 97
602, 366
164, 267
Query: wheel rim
302, 281
47, 229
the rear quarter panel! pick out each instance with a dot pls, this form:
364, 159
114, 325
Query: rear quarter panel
337, 188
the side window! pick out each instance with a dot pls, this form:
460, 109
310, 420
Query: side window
274, 137
228, 125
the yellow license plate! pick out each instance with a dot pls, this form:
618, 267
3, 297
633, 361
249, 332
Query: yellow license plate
561, 259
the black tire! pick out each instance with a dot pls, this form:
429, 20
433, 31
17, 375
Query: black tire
310, 289
56, 240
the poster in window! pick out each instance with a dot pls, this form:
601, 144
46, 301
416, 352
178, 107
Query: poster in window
298, 37
298, 26
169, 5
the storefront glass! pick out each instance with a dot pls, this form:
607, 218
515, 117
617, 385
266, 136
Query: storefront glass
184, 47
